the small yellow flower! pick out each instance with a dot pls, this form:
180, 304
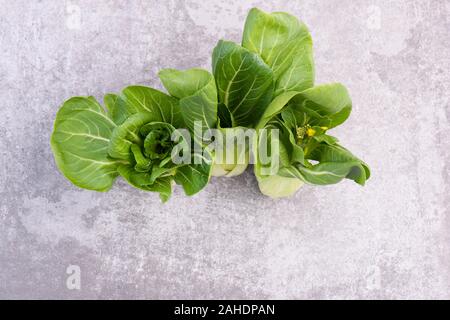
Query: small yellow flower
310, 132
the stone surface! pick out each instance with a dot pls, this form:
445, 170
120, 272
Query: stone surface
390, 239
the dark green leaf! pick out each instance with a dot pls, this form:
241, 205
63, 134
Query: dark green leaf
194, 177
332, 172
127, 134
225, 117
164, 108
244, 82
337, 153
145, 181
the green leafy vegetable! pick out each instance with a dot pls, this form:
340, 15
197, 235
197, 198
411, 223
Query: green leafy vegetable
80, 143
244, 82
134, 138
197, 93
310, 154
285, 45
201, 126
255, 81
277, 51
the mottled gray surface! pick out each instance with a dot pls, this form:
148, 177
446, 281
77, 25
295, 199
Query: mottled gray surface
390, 239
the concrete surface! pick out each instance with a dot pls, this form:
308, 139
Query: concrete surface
390, 239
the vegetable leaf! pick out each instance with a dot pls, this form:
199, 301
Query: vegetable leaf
80, 143
275, 107
337, 153
328, 104
197, 92
285, 45
163, 107
194, 177
143, 180
244, 82
127, 134
117, 108
266, 83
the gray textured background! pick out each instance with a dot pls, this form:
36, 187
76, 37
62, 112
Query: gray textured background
390, 239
